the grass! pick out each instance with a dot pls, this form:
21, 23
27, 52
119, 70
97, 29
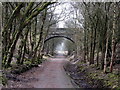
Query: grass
109, 80
3, 80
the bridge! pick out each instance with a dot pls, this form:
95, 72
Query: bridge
61, 32
64, 33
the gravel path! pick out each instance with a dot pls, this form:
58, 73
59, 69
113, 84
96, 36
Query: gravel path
53, 75
49, 74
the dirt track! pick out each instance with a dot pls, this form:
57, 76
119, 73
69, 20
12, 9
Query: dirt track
50, 74
53, 75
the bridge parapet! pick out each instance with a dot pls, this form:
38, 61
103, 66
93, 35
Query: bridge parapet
65, 32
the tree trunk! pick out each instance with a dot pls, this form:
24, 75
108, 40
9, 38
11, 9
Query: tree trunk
113, 42
103, 56
84, 44
0, 36
113, 55
40, 36
91, 49
98, 50
105, 60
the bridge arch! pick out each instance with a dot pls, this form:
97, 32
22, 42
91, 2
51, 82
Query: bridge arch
46, 46
60, 37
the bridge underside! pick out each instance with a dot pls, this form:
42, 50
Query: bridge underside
60, 41
59, 36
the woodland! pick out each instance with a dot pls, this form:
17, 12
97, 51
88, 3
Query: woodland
25, 26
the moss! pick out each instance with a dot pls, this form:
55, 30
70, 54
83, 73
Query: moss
27, 62
93, 65
111, 75
3, 80
117, 88
80, 63
108, 80
39, 61
111, 80
81, 68
109, 83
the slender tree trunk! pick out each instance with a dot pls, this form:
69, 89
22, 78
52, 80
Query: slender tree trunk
105, 60
103, 56
40, 36
0, 36
91, 49
85, 46
23, 55
5, 33
12, 48
87, 49
98, 50
97, 59
113, 42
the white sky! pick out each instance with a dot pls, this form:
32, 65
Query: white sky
63, 8
68, 10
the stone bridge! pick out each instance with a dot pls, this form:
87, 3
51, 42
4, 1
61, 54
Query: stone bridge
68, 33
61, 32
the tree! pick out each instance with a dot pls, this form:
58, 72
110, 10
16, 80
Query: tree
100, 32
25, 17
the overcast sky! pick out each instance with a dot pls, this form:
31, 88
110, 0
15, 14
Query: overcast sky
69, 11
66, 8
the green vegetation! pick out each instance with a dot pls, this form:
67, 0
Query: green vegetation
109, 80
22, 36
3, 80
96, 31
23, 33
98, 38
